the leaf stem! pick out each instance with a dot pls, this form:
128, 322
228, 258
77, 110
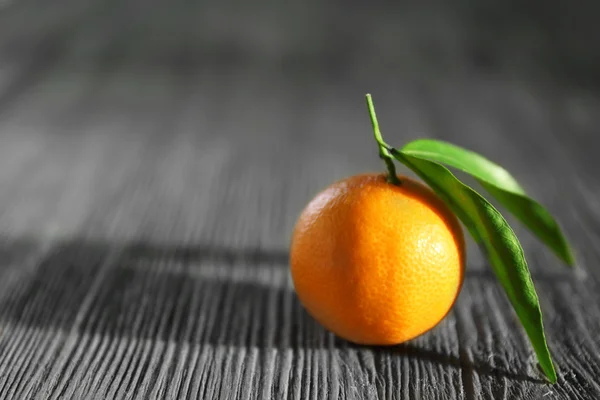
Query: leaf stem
384, 154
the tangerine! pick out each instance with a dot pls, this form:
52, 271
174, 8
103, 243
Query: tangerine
377, 263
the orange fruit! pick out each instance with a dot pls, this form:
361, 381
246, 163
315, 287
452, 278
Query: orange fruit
377, 263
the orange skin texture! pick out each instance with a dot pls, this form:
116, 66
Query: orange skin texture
376, 263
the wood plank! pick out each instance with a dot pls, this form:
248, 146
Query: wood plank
148, 189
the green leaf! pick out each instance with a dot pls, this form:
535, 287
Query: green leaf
501, 185
497, 240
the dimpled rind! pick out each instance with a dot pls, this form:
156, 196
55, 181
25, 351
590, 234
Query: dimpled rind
377, 263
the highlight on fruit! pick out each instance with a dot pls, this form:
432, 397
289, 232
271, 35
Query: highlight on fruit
379, 258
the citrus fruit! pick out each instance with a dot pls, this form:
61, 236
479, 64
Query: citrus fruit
376, 262
380, 258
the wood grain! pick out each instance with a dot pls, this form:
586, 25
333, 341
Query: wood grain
153, 161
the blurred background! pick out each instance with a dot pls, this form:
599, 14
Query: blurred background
156, 151
246, 108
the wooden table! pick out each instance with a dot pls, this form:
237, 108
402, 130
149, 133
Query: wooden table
153, 160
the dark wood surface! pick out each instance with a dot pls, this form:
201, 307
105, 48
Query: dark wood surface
153, 159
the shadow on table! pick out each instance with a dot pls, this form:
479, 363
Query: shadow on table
197, 295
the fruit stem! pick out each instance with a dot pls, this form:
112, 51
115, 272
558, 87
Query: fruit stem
384, 154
